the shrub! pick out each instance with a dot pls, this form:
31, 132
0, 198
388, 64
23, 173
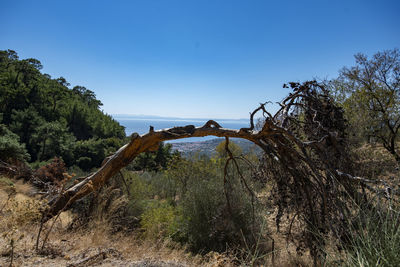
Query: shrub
4, 181
51, 173
186, 203
8, 187
164, 186
154, 161
10, 147
84, 163
161, 220
21, 213
210, 222
91, 153
16, 215
140, 193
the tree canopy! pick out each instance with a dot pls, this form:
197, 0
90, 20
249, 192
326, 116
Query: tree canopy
370, 94
51, 119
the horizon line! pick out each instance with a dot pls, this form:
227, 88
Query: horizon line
174, 117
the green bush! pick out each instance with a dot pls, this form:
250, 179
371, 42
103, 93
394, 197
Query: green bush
154, 161
140, 192
10, 147
187, 204
77, 171
210, 222
91, 153
161, 220
164, 186
37, 164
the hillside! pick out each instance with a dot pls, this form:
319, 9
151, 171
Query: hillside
43, 117
208, 147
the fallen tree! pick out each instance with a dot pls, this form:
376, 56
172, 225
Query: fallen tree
139, 144
305, 156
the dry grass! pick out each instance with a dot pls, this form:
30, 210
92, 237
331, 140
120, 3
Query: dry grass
72, 247
374, 161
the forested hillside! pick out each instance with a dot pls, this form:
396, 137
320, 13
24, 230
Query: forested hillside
43, 117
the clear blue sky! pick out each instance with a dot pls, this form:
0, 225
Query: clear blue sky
199, 58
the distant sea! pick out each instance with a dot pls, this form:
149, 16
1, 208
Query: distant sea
141, 124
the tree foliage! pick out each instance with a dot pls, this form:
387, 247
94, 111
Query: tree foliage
154, 161
370, 94
10, 147
51, 119
233, 147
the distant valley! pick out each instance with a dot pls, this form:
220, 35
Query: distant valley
207, 147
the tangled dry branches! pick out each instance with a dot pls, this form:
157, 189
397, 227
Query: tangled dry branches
305, 156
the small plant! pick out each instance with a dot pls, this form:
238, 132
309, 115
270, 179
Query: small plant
4, 181
9, 188
16, 214
12, 237
259, 253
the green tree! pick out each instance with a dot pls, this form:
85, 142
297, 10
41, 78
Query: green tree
89, 97
232, 146
10, 147
55, 141
370, 94
155, 161
17, 77
25, 124
91, 153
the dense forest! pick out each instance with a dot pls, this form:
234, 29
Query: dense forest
42, 117
324, 191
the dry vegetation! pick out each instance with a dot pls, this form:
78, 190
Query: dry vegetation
92, 245
97, 244
312, 199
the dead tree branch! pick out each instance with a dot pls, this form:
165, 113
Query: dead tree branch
137, 145
304, 145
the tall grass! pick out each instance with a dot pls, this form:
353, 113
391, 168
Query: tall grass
376, 237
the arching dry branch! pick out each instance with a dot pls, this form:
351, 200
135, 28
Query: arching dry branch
137, 145
305, 156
